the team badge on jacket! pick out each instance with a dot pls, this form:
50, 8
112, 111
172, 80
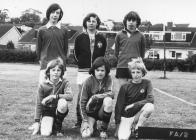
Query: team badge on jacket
142, 90
99, 44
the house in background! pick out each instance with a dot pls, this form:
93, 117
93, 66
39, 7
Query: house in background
28, 40
179, 41
74, 31
8, 33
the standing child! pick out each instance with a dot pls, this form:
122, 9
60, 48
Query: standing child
134, 103
52, 100
96, 98
52, 39
88, 46
129, 44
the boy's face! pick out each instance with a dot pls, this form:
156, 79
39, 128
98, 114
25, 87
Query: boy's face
91, 23
136, 75
54, 16
131, 25
55, 73
100, 72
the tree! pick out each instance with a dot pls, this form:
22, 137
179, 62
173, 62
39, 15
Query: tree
10, 45
118, 26
30, 19
3, 15
146, 24
44, 21
15, 20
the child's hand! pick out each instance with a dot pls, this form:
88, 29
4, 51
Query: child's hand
129, 106
48, 99
85, 125
35, 127
98, 96
85, 130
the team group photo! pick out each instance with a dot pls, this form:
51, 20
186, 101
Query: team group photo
122, 80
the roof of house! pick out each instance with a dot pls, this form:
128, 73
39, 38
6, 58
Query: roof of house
29, 37
4, 28
156, 27
74, 31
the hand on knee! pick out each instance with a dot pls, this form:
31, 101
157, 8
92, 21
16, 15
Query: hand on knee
148, 109
107, 103
86, 130
62, 106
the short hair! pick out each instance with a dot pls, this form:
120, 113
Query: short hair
132, 16
53, 63
137, 64
53, 7
88, 18
100, 61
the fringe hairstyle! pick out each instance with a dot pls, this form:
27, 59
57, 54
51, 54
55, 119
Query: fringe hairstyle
53, 63
137, 64
53, 7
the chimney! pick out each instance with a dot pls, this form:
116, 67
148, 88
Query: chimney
169, 26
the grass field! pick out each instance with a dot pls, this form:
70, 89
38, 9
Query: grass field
18, 85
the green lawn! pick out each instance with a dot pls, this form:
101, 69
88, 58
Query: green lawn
18, 85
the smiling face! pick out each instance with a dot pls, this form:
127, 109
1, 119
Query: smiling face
100, 72
136, 75
55, 73
54, 16
91, 23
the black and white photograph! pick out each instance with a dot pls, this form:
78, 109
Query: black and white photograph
97, 69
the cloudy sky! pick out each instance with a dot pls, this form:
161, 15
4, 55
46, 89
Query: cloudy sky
156, 11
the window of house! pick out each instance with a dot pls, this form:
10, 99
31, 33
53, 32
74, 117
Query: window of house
178, 36
178, 55
173, 53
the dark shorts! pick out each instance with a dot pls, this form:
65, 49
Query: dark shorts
51, 112
94, 112
123, 73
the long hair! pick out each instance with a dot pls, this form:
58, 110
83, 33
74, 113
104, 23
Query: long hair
53, 63
88, 18
100, 61
53, 7
132, 16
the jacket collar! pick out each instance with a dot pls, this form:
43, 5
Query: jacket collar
126, 31
48, 25
51, 83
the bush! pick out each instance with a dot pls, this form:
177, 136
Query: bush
191, 61
171, 64
10, 45
71, 60
17, 56
112, 60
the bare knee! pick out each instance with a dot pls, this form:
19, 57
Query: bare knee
62, 105
46, 126
46, 133
148, 109
107, 103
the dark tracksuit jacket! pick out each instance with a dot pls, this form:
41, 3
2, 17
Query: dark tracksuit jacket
133, 93
91, 87
82, 50
47, 88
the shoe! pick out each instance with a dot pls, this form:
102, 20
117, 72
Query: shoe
95, 130
77, 125
134, 133
59, 134
103, 134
